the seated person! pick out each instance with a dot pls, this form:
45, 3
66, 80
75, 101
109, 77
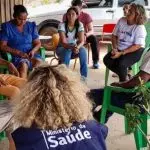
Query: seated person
20, 38
128, 42
71, 34
53, 112
120, 99
87, 21
10, 84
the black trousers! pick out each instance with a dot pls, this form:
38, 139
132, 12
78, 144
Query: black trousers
94, 47
121, 64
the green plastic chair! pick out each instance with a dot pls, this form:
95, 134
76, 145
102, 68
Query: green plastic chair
2, 134
139, 139
7, 56
136, 66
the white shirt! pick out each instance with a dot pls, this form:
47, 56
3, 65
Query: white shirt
145, 66
129, 35
71, 34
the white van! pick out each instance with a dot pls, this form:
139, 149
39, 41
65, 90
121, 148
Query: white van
107, 11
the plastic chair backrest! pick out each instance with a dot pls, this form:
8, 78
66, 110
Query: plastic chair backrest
107, 28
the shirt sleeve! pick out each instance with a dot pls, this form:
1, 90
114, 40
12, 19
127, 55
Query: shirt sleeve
35, 34
61, 27
81, 27
116, 29
4, 32
140, 35
88, 19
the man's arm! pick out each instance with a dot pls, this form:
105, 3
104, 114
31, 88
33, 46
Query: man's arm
90, 30
134, 81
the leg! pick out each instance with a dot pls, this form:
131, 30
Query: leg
94, 47
64, 55
126, 61
110, 63
36, 62
23, 70
83, 61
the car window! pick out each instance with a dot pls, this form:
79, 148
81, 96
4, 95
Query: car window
141, 2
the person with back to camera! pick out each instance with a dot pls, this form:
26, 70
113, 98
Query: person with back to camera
128, 41
53, 112
20, 38
87, 21
71, 34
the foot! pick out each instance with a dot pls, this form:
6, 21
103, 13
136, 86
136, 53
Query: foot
96, 65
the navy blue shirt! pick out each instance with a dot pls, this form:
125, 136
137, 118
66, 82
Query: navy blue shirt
89, 135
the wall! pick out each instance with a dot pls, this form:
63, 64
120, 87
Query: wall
6, 9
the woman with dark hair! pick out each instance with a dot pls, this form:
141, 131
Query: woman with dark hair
128, 41
20, 38
72, 40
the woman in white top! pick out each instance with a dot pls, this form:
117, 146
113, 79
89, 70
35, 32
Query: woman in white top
128, 41
72, 40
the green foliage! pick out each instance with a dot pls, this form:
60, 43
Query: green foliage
133, 111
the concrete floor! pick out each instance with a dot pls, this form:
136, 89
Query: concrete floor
116, 140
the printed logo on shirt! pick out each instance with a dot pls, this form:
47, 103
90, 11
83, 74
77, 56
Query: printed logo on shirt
55, 138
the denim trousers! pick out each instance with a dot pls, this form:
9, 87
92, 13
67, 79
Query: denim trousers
66, 54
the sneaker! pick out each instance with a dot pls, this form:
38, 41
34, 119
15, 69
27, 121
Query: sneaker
96, 65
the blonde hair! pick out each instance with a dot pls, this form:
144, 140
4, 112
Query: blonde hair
51, 99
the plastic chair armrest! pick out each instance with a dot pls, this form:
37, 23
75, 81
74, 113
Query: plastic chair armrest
42, 52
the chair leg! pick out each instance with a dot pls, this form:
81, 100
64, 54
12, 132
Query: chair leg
75, 63
144, 126
52, 60
126, 125
106, 102
138, 139
106, 76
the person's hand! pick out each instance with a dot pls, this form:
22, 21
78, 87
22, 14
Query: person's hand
113, 52
22, 55
31, 54
2, 82
13, 69
116, 55
76, 49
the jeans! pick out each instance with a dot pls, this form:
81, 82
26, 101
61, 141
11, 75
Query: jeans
66, 54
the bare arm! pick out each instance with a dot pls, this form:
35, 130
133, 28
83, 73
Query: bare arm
36, 45
63, 41
134, 81
90, 30
131, 49
80, 39
4, 47
114, 41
